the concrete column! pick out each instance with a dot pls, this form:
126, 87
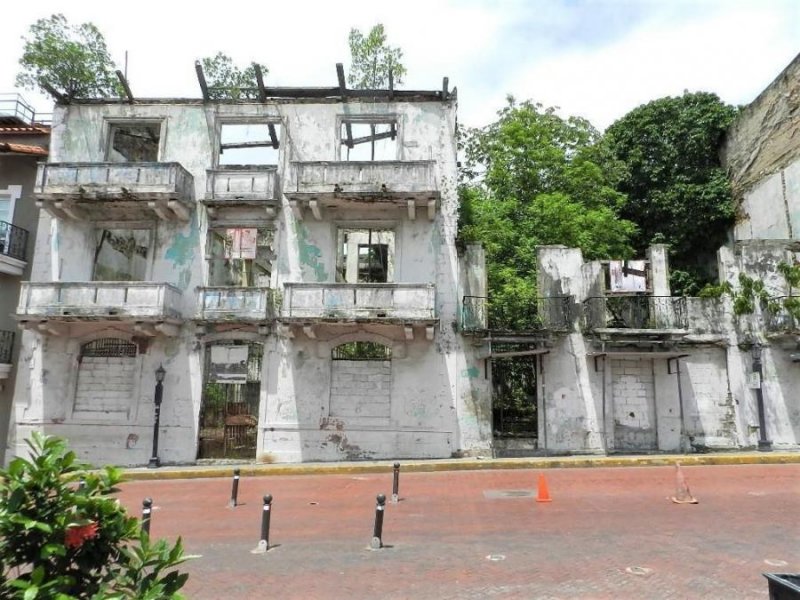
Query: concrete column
659, 269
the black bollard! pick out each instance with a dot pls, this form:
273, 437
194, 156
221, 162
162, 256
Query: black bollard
234, 490
81, 485
396, 483
265, 521
377, 531
147, 509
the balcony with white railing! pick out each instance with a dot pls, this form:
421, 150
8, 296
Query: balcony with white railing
6, 351
237, 186
119, 301
234, 304
350, 302
13, 249
411, 184
108, 191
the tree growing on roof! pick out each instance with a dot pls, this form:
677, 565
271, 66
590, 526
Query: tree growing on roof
372, 59
226, 80
67, 61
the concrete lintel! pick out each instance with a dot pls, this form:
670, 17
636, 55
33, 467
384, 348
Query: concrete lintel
296, 209
412, 209
409, 332
431, 209
316, 209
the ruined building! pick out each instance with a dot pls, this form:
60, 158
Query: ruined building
24, 138
289, 260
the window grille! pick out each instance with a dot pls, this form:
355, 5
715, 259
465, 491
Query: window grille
109, 347
362, 351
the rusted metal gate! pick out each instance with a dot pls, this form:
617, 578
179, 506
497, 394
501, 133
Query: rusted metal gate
229, 411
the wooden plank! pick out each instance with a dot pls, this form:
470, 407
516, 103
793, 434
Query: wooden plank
391, 85
125, 86
233, 145
273, 135
342, 83
445, 83
262, 91
369, 138
201, 79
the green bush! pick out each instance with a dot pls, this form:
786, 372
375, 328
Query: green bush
61, 540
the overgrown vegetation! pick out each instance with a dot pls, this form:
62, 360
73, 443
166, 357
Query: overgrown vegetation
64, 536
73, 61
372, 59
228, 81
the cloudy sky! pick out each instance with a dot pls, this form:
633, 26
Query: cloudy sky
593, 58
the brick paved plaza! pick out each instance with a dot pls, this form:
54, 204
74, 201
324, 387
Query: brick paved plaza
609, 533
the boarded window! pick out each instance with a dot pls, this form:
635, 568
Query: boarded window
365, 256
240, 257
121, 254
134, 142
361, 382
249, 144
369, 141
106, 376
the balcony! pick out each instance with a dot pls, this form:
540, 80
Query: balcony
13, 245
115, 191
408, 184
403, 304
479, 315
149, 308
782, 315
242, 186
235, 304
15, 111
6, 348
644, 314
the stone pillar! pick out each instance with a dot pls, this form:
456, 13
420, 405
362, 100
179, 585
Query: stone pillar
659, 269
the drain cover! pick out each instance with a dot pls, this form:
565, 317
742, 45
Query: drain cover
638, 570
493, 494
496, 557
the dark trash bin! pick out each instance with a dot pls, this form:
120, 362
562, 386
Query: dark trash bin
783, 587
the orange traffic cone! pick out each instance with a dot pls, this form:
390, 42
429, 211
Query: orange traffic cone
543, 494
682, 493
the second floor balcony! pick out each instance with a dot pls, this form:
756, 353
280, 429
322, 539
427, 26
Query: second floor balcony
235, 304
229, 186
131, 303
412, 185
552, 314
13, 248
109, 191
641, 313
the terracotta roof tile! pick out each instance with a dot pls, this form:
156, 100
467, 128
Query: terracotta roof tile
23, 149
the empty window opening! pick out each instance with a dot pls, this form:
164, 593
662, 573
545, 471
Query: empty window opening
249, 144
121, 254
240, 257
134, 142
369, 141
362, 351
365, 256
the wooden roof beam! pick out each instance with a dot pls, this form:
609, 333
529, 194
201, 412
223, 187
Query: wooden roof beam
124, 83
201, 79
262, 91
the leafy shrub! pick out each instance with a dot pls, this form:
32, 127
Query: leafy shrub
61, 539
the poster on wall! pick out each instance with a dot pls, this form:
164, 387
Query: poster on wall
242, 243
625, 275
229, 364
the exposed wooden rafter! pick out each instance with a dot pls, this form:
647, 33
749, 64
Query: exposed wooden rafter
201, 79
125, 86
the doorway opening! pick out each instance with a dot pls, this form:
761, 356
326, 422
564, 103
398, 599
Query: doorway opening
514, 405
230, 400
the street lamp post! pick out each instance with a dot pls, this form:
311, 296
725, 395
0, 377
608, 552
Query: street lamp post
160, 373
764, 445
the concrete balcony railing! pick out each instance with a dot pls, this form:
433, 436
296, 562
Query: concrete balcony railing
662, 313
237, 184
99, 301
234, 304
383, 302
335, 184
108, 191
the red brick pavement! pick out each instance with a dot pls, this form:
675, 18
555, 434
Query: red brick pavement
609, 533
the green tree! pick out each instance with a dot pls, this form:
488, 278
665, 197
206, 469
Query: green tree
226, 80
71, 60
677, 191
534, 178
372, 59
62, 540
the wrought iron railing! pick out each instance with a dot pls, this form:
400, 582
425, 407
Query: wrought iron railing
635, 312
481, 313
782, 313
13, 240
6, 345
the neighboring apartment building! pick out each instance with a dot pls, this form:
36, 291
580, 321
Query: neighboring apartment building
24, 139
290, 262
